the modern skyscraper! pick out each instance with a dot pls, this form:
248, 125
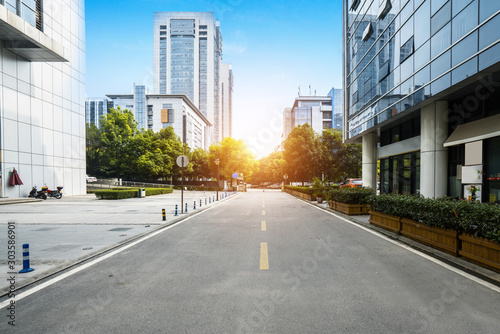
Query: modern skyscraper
187, 60
420, 92
42, 95
337, 108
227, 100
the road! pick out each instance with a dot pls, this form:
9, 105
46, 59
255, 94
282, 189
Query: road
262, 262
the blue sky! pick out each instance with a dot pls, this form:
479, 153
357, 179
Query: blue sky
273, 46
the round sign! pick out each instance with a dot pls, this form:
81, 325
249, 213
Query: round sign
235, 175
182, 161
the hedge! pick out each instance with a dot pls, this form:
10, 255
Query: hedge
197, 188
305, 190
478, 219
358, 195
121, 193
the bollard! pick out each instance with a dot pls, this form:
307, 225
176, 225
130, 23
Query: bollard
205, 201
163, 214
210, 200
176, 210
194, 206
214, 199
26, 259
186, 211
200, 203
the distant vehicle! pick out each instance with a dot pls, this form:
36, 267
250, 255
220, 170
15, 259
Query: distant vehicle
91, 178
274, 186
352, 183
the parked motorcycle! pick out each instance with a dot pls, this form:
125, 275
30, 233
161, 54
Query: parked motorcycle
38, 193
53, 193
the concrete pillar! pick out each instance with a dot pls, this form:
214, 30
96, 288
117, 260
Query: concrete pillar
433, 155
370, 160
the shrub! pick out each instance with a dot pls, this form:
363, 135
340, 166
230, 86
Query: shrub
305, 190
121, 193
478, 219
350, 195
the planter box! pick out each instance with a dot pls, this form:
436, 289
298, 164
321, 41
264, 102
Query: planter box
302, 195
350, 209
388, 222
439, 238
480, 251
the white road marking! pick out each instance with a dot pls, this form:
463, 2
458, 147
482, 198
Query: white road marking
425, 256
91, 263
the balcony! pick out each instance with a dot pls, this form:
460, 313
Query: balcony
27, 41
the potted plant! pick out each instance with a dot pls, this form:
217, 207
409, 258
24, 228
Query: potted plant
318, 189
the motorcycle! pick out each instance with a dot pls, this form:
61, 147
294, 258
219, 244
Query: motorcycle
53, 193
38, 193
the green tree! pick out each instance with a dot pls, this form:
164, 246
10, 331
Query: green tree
93, 149
234, 157
269, 169
301, 154
117, 130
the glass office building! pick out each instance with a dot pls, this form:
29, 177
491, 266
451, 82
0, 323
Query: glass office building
188, 60
420, 82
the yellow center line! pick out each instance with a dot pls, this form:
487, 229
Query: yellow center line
263, 206
263, 212
264, 259
263, 226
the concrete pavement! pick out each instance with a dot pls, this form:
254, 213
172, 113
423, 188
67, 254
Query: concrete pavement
64, 232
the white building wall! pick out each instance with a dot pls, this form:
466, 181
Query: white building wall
42, 109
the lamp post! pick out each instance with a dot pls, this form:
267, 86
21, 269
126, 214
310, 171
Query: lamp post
217, 162
285, 177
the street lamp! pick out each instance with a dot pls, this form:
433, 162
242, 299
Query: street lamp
285, 177
217, 162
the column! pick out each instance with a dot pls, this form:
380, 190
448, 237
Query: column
369, 160
433, 155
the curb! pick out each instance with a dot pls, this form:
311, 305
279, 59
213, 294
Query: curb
468, 267
86, 258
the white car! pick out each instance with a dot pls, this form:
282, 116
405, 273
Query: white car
91, 178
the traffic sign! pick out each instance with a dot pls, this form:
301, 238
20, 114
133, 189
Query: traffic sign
235, 175
182, 161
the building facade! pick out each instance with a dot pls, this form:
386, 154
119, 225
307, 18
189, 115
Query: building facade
95, 108
337, 108
164, 110
313, 110
420, 78
187, 60
227, 100
42, 95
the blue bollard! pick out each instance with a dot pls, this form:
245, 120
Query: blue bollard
205, 201
194, 207
26, 259
200, 203
214, 199
186, 208
176, 210
210, 200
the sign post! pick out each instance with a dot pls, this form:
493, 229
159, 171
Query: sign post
182, 161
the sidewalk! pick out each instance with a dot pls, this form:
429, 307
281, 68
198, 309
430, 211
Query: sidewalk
63, 232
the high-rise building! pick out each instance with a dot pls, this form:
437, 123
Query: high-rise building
313, 110
95, 108
430, 113
337, 108
227, 100
42, 95
187, 60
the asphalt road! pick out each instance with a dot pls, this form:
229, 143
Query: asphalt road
262, 262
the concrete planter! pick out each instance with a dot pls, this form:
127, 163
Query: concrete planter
439, 238
480, 251
350, 209
388, 222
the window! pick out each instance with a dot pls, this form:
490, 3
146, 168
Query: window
354, 5
406, 50
163, 27
384, 9
442, 17
367, 32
